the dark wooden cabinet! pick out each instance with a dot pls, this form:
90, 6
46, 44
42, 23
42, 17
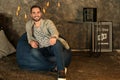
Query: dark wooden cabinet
89, 14
102, 37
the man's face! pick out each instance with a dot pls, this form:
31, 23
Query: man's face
36, 14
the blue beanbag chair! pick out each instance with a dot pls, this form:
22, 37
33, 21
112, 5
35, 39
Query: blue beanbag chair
26, 60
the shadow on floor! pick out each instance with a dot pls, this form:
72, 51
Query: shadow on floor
82, 67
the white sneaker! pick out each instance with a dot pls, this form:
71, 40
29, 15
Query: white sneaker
61, 78
62, 74
65, 70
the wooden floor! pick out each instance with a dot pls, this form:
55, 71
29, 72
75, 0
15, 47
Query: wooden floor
82, 67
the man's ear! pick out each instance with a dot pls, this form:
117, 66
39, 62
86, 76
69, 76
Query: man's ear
30, 15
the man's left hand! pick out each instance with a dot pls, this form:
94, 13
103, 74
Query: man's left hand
52, 40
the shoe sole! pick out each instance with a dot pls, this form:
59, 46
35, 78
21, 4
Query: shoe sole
65, 74
61, 79
65, 70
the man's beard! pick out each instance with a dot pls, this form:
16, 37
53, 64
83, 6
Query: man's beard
36, 20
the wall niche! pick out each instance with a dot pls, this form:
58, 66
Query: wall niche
89, 14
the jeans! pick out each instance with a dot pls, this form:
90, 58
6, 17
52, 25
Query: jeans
43, 59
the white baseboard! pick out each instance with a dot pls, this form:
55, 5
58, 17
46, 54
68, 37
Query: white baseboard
118, 50
77, 50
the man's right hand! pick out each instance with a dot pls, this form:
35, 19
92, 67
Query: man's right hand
34, 44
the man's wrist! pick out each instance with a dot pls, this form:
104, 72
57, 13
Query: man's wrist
54, 37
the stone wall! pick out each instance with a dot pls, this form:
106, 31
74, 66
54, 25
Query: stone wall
76, 34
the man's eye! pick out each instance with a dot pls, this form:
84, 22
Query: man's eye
33, 12
38, 12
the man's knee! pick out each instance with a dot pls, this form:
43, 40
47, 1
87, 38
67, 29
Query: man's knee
34, 51
58, 44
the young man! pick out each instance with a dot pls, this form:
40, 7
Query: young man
44, 39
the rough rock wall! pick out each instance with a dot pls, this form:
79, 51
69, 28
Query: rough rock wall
107, 10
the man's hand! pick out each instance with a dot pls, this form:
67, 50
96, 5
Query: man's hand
52, 40
34, 44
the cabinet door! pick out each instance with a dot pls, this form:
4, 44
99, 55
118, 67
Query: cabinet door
102, 37
89, 14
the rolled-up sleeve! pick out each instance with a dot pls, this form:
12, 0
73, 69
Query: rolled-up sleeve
29, 25
52, 29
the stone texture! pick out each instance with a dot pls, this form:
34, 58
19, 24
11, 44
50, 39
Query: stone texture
107, 10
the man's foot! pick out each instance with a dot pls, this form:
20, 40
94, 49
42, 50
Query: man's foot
62, 74
65, 70
54, 69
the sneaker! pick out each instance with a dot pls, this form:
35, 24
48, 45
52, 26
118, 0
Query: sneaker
65, 70
54, 70
62, 74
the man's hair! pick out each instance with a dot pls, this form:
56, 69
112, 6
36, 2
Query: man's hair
35, 6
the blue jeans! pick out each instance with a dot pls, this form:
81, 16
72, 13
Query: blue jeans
43, 59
